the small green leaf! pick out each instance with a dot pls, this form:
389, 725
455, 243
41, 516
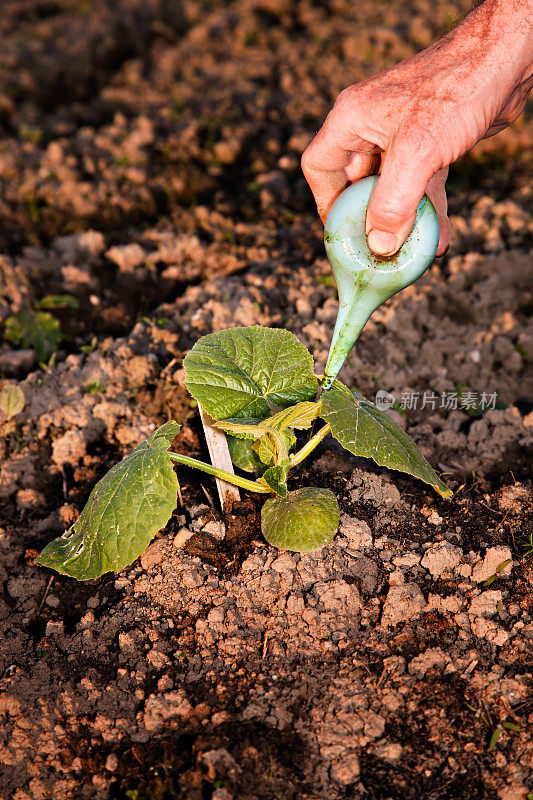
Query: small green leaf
125, 510
266, 450
94, 387
300, 416
273, 448
276, 478
271, 444
12, 400
40, 332
511, 726
366, 431
494, 739
58, 301
248, 372
305, 520
499, 569
91, 347
243, 455
248, 428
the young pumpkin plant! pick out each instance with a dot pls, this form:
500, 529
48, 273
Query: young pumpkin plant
259, 387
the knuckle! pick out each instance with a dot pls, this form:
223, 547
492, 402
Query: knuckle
344, 96
389, 216
306, 160
348, 98
361, 93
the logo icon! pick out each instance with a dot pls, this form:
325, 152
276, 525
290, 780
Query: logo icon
384, 400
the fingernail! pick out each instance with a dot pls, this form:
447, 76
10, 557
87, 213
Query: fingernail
382, 243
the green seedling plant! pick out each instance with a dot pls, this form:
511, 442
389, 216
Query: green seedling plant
258, 386
36, 330
485, 717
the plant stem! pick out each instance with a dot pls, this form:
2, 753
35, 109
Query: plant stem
244, 483
296, 458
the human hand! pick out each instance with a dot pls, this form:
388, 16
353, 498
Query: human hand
413, 120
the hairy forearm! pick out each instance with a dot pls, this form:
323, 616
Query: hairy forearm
494, 45
505, 27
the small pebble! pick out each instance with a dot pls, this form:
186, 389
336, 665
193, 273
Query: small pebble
197, 511
215, 529
111, 763
182, 536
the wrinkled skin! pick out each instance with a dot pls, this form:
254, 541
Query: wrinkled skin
411, 121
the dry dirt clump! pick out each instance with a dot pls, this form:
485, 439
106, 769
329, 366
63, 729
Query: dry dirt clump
149, 168
343, 666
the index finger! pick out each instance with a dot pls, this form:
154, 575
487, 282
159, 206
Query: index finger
327, 156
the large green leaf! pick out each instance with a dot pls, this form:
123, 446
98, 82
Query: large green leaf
304, 520
366, 431
248, 372
124, 511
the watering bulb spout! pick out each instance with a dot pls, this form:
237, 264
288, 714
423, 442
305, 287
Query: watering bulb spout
365, 280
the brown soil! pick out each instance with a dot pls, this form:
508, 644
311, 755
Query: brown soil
149, 167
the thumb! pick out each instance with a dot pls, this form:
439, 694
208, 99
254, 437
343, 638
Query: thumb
391, 212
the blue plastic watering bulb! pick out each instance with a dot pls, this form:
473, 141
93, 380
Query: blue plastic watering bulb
365, 280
